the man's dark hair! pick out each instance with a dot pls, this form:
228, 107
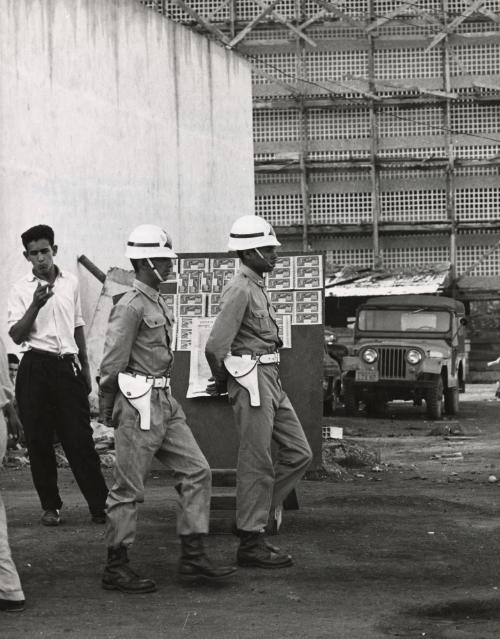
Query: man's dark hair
13, 358
135, 265
39, 232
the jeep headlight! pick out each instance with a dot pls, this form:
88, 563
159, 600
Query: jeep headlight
413, 357
369, 355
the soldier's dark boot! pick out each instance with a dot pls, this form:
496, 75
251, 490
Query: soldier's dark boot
119, 576
194, 563
255, 552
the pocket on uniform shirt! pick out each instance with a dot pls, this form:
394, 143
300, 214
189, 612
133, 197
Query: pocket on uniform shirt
260, 319
157, 327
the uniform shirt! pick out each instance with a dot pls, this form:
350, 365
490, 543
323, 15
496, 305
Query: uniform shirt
54, 327
245, 323
6, 389
138, 338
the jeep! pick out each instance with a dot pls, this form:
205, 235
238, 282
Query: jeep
406, 347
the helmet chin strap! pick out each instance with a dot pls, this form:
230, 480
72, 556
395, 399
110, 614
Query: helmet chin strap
155, 270
263, 258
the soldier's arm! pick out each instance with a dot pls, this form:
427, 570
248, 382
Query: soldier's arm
123, 326
225, 329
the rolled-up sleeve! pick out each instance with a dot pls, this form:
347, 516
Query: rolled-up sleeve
79, 321
16, 308
6, 389
227, 324
123, 326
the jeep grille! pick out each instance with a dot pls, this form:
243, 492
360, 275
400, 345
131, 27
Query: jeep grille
392, 363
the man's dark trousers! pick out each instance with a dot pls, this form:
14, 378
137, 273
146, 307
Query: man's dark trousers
51, 395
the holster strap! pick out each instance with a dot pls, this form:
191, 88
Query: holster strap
268, 358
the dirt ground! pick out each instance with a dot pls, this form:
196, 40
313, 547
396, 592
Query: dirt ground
405, 548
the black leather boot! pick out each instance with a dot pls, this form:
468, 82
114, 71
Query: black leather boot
119, 576
194, 563
255, 552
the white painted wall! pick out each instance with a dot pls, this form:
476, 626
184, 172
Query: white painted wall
112, 116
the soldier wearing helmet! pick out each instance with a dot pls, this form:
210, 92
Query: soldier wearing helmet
245, 327
135, 398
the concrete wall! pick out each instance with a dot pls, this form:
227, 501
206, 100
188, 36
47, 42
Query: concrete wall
112, 116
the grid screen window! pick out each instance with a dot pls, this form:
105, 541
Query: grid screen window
280, 210
338, 258
407, 64
478, 204
413, 206
341, 208
326, 124
478, 261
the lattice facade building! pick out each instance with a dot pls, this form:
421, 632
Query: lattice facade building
376, 124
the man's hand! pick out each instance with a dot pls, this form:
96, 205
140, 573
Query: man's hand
216, 387
14, 426
42, 294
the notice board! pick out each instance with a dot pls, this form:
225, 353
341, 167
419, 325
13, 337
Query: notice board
296, 290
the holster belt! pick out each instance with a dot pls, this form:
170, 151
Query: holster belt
158, 382
137, 388
268, 358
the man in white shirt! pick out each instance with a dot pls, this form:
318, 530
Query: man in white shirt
11, 591
53, 380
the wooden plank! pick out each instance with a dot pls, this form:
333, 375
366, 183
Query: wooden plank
390, 15
288, 24
450, 28
202, 21
213, 16
494, 17
290, 88
332, 6
242, 34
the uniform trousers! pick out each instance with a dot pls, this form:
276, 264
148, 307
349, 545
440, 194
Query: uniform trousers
10, 585
262, 483
51, 395
171, 441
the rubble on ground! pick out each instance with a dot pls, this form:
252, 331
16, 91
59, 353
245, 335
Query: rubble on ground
339, 455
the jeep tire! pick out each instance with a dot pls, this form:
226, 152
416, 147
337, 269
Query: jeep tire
434, 399
451, 401
351, 402
376, 407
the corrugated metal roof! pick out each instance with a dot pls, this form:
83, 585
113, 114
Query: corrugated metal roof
431, 278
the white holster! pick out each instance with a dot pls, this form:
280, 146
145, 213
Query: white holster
244, 371
137, 391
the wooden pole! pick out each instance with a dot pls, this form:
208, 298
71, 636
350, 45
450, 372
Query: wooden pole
450, 151
92, 268
304, 136
232, 18
374, 138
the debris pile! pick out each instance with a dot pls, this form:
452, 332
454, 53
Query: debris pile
339, 455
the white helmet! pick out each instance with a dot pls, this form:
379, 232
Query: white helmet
251, 231
149, 240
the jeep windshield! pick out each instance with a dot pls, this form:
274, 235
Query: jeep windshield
392, 320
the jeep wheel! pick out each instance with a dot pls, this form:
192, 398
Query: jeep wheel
376, 407
451, 401
351, 402
331, 404
434, 400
